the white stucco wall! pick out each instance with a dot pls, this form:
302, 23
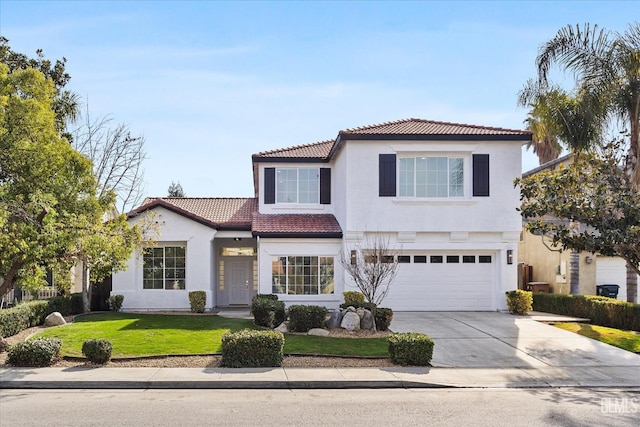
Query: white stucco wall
173, 228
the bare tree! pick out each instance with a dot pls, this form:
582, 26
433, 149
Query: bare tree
117, 158
372, 266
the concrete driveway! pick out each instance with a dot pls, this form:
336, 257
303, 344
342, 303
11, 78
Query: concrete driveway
502, 340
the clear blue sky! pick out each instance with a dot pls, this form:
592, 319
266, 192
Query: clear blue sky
210, 83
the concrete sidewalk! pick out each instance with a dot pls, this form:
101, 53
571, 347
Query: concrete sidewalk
316, 378
486, 350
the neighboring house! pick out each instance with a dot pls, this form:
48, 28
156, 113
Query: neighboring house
441, 193
549, 264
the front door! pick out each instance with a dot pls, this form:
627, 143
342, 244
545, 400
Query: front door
238, 274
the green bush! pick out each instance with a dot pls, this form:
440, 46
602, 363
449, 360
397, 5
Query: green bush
39, 352
115, 302
383, 318
267, 311
519, 301
252, 349
368, 305
602, 311
410, 348
197, 300
353, 297
305, 317
97, 350
66, 305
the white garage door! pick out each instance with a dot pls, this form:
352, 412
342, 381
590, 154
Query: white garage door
612, 270
444, 282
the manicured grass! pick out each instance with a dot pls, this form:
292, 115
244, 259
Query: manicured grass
156, 334
627, 340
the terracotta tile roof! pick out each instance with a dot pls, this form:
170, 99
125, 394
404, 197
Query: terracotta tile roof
409, 128
429, 127
296, 225
318, 150
218, 213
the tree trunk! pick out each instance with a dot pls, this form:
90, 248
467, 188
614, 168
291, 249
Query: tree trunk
632, 285
574, 272
86, 289
7, 281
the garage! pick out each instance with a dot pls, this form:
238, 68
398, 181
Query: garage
444, 282
612, 270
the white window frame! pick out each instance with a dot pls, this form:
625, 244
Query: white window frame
410, 189
286, 288
166, 281
303, 196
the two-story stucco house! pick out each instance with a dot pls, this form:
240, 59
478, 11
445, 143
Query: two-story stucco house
441, 194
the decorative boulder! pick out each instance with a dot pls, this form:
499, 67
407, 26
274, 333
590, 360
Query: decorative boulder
4, 344
351, 308
318, 332
282, 328
54, 319
334, 321
360, 312
350, 322
366, 321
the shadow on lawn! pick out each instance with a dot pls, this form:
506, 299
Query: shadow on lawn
193, 322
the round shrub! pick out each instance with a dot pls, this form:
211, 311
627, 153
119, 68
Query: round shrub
267, 311
519, 301
252, 349
115, 302
383, 318
305, 317
39, 352
353, 297
97, 350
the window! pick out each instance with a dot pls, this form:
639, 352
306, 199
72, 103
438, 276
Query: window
468, 259
420, 259
298, 185
435, 259
163, 268
302, 275
404, 259
431, 177
453, 259
248, 251
484, 259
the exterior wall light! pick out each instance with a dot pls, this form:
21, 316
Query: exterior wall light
509, 256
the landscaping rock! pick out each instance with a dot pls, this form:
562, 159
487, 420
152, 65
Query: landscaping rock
4, 344
318, 332
282, 327
334, 321
54, 319
351, 309
350, 322
366, 320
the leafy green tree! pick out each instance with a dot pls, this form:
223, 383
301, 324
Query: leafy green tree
51, 213
590, 205
175, 190
65, 102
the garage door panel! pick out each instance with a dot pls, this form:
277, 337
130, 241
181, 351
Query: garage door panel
443, 286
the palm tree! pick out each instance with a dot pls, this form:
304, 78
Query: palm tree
606, 67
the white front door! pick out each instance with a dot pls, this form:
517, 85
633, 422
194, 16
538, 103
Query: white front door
239, 278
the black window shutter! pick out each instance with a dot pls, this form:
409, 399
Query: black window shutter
480, 175
269, 186
325, 186
387, 175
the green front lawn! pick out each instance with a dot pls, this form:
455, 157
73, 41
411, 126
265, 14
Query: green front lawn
627, 340
156, 334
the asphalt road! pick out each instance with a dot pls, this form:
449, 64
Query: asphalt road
401, 407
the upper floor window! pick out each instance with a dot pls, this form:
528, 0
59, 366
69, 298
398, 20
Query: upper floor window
298, 185
431, 177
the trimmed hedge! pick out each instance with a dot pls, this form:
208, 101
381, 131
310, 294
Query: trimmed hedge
519, 301
602, 311
97, 350
267, 310
305, 317
410, 348
32, 313
39, 352
197, 300
252, 349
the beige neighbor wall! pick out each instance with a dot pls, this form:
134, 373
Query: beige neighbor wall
532, 251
